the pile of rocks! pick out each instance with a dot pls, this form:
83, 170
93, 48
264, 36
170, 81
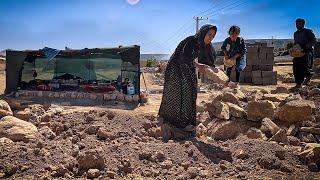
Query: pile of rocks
272, 116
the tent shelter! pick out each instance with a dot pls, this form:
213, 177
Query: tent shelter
31, 68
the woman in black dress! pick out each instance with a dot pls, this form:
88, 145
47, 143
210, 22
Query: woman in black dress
178, 106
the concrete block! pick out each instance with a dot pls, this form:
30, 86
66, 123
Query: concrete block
255, 67
256, 77
252, 49
266, 67
269, 77
248, 68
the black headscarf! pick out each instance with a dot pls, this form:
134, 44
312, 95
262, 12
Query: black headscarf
206, 52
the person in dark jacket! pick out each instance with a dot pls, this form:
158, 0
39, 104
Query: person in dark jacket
178, 106
302, 66
234, 48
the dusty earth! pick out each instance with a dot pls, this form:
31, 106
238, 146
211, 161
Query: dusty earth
112, 143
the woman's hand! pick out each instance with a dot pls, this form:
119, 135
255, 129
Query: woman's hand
215, 70
201, 67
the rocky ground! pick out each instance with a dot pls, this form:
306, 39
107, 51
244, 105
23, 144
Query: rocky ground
251, 133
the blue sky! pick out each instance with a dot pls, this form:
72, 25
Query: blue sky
156, 25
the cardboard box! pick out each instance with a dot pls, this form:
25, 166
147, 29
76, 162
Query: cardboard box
257, 77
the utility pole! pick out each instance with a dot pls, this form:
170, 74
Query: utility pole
197, 18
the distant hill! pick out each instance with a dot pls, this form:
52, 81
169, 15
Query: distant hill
158, 57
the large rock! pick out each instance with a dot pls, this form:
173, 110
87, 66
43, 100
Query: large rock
224, 130
236, 111
275, 97
47, 132
296, 111
17, 129
269, 127
228, 97
257, 110
218, 77
5, 109
218, 109
254, 133
91, 159
23, 115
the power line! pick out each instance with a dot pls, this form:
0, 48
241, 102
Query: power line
229, 7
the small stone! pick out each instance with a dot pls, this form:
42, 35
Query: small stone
145, 155
201, 130
313, 167
280, 136
105, 134
223, 166
61, 170
46, 117
241, 154
314, 92
93, 173
4, 141
187, 144
111, 174
190, 152
91, 159
193, 172
167, 164
312, 130
254, 133
269, 162
125, 166
280, 154
306, 137
292, 131
160, 156
205, 173
294, 141
75, 139
90, 118
185, 165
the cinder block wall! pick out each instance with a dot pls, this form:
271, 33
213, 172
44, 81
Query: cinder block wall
259, 70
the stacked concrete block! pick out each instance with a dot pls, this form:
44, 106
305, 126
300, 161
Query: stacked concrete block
269, 77
259, 69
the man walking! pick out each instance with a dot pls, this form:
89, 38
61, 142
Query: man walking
302, 66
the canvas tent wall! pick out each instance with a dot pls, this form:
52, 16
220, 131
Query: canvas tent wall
88, 64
